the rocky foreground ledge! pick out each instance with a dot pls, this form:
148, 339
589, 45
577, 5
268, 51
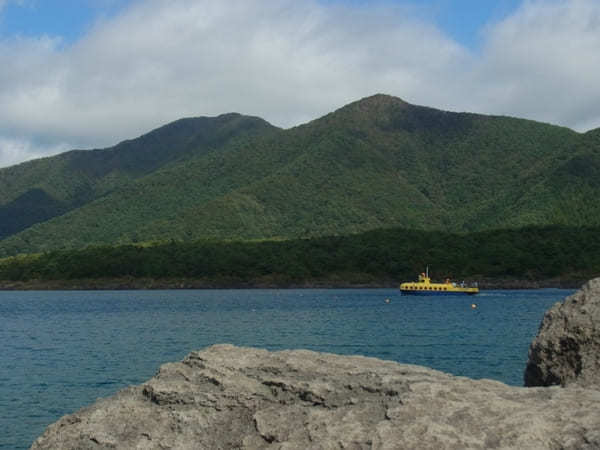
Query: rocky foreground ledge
232, 397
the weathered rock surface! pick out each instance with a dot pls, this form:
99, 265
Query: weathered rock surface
567, 347
232, 397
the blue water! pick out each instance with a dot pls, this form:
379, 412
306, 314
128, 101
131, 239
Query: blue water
60, 351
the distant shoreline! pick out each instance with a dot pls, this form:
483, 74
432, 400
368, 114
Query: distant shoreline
172, 283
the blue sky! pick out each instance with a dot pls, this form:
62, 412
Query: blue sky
71, 19
90, 73
464, 19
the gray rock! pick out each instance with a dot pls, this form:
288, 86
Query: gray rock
232, 397
567, 347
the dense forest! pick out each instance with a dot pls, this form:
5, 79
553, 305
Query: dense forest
563, 254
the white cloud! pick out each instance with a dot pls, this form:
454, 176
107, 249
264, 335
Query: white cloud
290, 62
544, 63
16, 150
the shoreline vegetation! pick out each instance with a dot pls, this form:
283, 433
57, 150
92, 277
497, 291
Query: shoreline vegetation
526, 258
131, 283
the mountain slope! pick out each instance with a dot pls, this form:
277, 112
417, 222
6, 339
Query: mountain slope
376, 163
38, 190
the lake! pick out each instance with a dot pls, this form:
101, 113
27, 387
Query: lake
62, 350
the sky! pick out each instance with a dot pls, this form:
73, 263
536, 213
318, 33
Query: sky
91, 73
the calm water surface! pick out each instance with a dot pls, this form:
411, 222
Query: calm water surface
60, 351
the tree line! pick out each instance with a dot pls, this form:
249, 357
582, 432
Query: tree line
531, 253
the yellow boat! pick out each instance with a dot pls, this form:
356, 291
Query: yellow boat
425, 287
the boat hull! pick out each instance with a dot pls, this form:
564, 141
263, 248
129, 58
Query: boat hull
436, 293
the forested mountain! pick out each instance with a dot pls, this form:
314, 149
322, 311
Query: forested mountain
38, 190
375, 163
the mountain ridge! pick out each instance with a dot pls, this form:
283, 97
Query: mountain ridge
375, 163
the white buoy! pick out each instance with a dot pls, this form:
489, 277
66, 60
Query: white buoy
473, 305
387, 300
